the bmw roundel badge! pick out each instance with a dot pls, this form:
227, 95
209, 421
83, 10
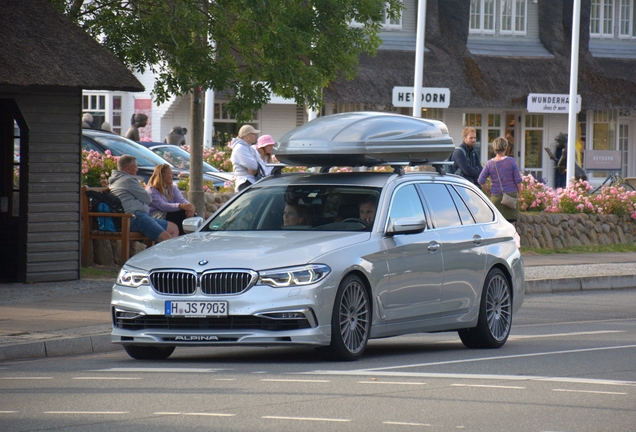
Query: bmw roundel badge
203, 262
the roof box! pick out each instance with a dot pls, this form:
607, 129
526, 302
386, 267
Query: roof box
365, 139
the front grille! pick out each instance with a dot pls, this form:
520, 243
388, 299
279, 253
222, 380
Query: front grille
215, 283
226, 282
236, 322
174, 283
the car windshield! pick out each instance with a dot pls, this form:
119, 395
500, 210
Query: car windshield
119, 146
297, 207
179, 158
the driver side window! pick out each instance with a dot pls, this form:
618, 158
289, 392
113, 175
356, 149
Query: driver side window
406, 203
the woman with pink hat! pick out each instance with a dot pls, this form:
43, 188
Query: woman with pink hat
264, 145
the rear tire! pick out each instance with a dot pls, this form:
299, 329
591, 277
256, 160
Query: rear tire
350, 321
495, 314
143, 352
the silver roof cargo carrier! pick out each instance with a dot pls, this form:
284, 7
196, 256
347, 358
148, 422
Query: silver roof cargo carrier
365, 139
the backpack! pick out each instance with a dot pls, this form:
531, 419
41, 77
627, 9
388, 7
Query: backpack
455, 169
103, 202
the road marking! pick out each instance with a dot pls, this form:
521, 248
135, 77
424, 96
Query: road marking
161, 370
87, 412
295, 380
588, 391
167, 413
488, 386
391, 382
540, 354
105, 378
26, 378
224, 379
566, 334
420, 375
210, 414
407, 424
8, 412
305, 419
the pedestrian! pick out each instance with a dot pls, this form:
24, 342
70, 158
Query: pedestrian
176, 136
137, 121
245, 158
135, 199
167, 200
264, 146
87, 121
466, 158
504, 180
106, 127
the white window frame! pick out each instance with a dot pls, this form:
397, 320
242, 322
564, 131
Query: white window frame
386, 23
518, 16
482, 11
626, 19
602, 16
95, 102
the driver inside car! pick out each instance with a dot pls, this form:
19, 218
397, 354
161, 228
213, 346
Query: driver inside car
367, 209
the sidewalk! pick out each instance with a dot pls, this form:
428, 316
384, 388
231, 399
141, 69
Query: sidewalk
69, 318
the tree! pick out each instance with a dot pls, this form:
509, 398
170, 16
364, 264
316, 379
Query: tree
246, 48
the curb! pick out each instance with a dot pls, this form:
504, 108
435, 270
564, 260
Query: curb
590, 283
59, 347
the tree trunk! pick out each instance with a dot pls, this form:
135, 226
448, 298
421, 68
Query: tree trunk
195, 192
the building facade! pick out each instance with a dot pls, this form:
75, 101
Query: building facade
489, 57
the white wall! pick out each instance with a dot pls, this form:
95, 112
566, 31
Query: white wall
277, 120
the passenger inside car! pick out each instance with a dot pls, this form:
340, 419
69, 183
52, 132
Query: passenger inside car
295, 214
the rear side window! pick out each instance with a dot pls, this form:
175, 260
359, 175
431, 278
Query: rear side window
478, 207
464, 213
441, 204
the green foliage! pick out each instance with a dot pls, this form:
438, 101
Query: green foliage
248, 48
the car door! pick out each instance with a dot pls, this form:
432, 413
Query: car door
414, 262
462, 247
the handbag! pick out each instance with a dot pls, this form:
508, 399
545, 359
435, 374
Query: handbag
507, 200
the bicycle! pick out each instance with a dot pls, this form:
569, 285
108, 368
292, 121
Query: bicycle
615, 179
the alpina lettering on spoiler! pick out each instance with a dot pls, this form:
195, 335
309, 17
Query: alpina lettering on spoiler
196, 338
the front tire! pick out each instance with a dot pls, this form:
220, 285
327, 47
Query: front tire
495, 314
351, 320
144, 352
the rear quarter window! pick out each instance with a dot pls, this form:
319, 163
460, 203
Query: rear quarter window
441, 204
478, 207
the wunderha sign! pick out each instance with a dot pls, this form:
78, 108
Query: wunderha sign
551, 103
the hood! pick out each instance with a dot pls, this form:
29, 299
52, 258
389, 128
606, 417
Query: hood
254, 250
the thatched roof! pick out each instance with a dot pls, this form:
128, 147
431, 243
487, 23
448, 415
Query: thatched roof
39, 46
480, 81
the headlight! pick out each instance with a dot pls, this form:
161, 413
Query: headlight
294, 276
132, 278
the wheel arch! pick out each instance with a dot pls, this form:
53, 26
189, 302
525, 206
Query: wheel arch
507, 274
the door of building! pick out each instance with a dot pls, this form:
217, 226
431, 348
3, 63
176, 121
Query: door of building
532, 154
627, 152
513, 135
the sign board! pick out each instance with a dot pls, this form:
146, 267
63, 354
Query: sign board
432, 97
551, 103
603, 160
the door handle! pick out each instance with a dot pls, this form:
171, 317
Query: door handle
433, 247
477, 239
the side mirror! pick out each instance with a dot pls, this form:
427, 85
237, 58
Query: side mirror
192, 224
406, 225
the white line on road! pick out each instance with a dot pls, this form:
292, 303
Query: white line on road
488, 386
105, 378
295, 380
209, 414
565, 334
539, 354
161, 370
305, 419
406, 424
391, 382
588, 391
8, 412
87, 412
26, 378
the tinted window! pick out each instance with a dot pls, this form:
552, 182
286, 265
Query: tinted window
480, 210
406, 203
119, 146
464, 213
441, 205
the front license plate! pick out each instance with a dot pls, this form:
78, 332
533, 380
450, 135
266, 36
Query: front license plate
196, 309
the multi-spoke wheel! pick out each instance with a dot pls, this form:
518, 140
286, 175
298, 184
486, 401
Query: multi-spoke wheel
495, 314
145, 352
351, 320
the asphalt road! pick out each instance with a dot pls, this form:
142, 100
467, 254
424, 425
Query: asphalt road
568, 366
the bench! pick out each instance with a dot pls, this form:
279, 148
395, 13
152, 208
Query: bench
125, 235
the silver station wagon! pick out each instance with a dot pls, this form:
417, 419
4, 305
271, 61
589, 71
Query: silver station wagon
331, 259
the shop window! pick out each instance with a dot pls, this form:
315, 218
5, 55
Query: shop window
533, 152
104, 107
488, 127
433, 113
474, 120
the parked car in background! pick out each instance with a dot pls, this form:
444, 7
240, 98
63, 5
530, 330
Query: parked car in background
100, 141
180, 158
332, 260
